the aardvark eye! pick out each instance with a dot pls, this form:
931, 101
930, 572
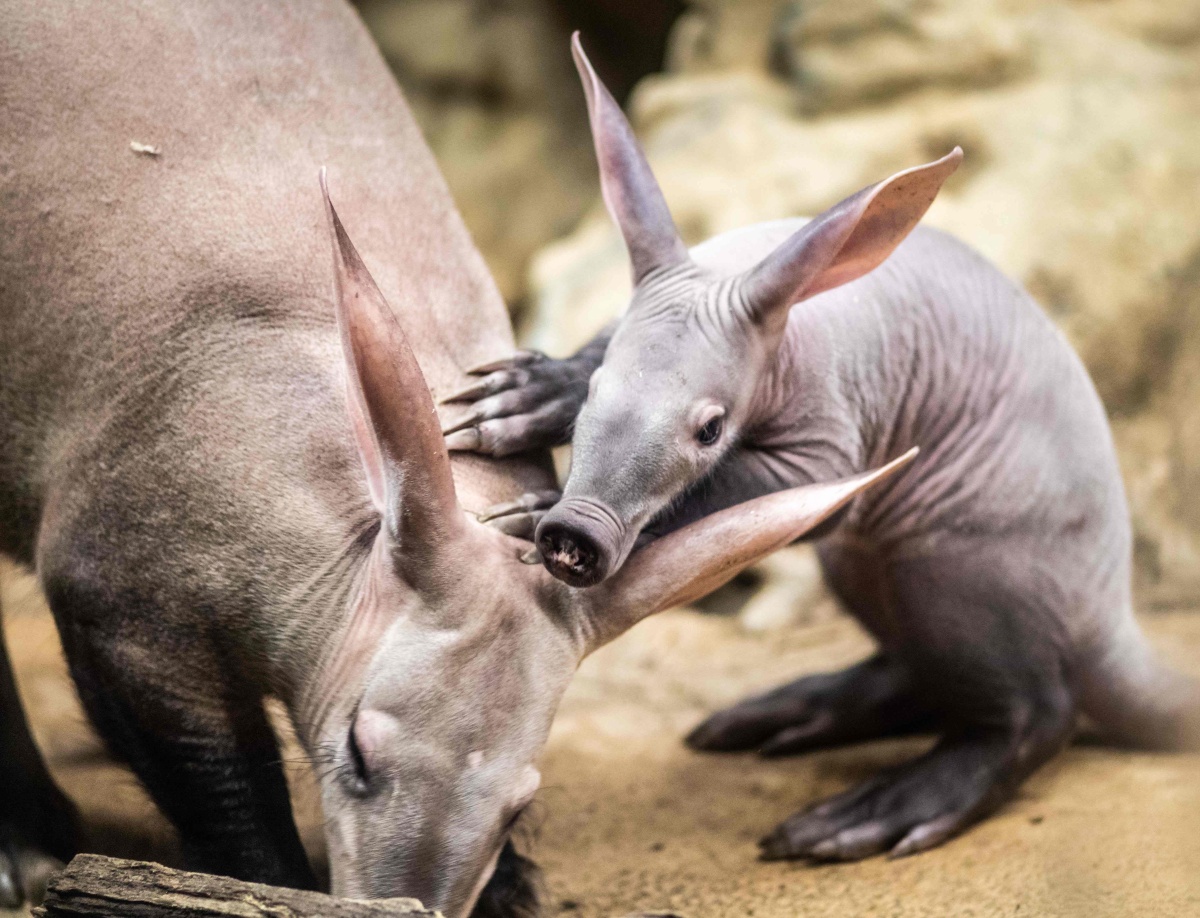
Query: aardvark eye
361, 778
710, 433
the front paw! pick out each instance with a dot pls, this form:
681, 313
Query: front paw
527, 401
25, 869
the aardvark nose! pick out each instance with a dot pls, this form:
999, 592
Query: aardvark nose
578, 542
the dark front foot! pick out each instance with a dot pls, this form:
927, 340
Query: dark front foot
525, 402
39, 834
919, 805
870, 700
39, 826
25, 869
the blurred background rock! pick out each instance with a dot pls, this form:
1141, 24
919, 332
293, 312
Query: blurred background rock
1081, 125
493, 86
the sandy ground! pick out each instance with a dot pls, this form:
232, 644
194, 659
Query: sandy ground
630, 820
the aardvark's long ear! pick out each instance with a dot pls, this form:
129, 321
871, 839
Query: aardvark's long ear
630, 190
845, 242
698, 558
397, 429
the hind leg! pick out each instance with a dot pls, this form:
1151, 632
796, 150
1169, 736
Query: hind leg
992, 662
38, 824
871, 700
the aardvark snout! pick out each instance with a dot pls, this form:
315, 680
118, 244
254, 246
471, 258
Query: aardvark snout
581, 541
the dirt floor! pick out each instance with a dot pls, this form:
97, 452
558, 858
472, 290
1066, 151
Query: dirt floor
631, 821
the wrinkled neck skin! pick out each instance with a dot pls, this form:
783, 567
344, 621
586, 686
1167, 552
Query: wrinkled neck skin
822, 389
808, 414
817, 407
348, 606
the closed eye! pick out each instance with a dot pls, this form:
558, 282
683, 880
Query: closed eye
361, 778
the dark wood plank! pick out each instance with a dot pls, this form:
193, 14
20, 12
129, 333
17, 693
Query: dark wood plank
104, 887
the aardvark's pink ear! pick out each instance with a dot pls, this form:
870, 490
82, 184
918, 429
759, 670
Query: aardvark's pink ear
395, 424
695, 560
630, 190
845, 242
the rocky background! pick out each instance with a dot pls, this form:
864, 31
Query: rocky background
1081, 125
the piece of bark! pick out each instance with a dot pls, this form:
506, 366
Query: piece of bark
103, 887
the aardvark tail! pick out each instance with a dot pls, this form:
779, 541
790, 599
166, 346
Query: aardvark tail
1137, 699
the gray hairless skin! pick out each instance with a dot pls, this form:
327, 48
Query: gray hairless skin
219, 452
994, 573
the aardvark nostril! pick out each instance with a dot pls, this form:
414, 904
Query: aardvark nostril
579, 540
569, 553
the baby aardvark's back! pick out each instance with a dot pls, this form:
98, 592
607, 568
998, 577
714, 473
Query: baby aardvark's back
936, 348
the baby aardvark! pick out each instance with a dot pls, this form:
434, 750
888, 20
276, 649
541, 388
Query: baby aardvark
994, 572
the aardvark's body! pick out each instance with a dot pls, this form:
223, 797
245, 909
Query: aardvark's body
994, 573
219, 451
176, 458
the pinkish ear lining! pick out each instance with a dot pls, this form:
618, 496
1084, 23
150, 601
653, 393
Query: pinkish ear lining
847, 241
364, 435
394, 421
630, 190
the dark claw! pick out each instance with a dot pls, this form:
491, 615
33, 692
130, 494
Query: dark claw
470, 420
519, 518
505, 509
467, 393
728, 731
816, 733
777, 847
796, 837
520, 358
538, 500
464, 440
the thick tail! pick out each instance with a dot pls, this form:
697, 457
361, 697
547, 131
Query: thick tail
1139, 701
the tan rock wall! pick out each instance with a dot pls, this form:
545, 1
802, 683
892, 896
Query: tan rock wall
492, 85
